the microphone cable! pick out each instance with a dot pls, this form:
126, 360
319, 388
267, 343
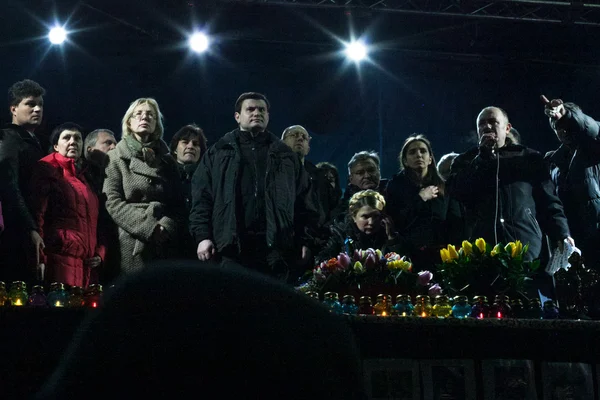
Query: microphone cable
497, 197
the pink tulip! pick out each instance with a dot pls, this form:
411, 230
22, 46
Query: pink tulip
435, 290
343, 260
370, 261
424, 278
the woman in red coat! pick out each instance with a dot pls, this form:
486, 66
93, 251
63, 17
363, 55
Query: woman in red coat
66, 211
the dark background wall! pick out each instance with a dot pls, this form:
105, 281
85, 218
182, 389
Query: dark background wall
429, 74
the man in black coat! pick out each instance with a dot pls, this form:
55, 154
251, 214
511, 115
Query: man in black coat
523, 205
96, 146
575, 170
322, 193
20, 244
363, 174
250, 196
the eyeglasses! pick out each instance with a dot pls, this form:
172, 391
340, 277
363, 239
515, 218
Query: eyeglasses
300, 135
140, 115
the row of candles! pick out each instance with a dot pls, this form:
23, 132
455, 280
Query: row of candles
443, 307
58, 296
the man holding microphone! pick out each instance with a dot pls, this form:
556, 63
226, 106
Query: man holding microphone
506, 190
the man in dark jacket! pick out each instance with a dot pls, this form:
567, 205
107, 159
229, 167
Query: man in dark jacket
96, 146
363, 174
250, 196
322, 194
522, 205
575, 170
20, 244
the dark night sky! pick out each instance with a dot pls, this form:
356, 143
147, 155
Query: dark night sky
432, 74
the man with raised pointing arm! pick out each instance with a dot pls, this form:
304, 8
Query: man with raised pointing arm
575, 170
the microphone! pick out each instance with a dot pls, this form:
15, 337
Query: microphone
488, 147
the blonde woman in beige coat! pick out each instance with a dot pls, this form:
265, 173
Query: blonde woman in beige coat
143, 194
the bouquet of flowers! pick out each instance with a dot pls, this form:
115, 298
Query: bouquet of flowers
368, 268
480, 269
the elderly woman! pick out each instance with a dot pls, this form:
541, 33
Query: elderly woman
365, 226
419, 206
65, 208
143, 194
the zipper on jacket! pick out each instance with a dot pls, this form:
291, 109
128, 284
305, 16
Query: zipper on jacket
269, 162
534, 221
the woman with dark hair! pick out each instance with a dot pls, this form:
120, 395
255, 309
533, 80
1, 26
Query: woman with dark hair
365, 226
418, 204
187, 147
142, 188
65, 208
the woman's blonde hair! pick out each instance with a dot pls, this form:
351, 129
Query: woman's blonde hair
363, 198
158, 132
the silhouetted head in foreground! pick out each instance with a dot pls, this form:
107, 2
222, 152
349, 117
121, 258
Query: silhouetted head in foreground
181, 328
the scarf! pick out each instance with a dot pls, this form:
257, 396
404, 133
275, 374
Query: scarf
144, 151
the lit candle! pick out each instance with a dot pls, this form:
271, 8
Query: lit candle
499, 314
94, 304
18, 302
58, 304
480, 315
404, 314
383, 314
423, 314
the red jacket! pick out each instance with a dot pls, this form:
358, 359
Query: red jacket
65, 208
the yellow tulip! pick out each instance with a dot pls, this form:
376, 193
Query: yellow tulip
496, 250
509, 247
445, 255
452, 253
516, 249
480, 243
467, 247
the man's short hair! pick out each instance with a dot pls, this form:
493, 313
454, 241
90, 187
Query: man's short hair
92, 138
23, 89
444, 165
188, 132
67, 126
289, 129
362, 156
327, 166
253, 96
494, 107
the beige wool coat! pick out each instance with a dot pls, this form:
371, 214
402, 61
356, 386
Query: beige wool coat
138, 198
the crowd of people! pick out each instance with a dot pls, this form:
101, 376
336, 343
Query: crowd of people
95, 207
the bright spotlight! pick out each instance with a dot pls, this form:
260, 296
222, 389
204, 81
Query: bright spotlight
356, 51
57, 35
199, 42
